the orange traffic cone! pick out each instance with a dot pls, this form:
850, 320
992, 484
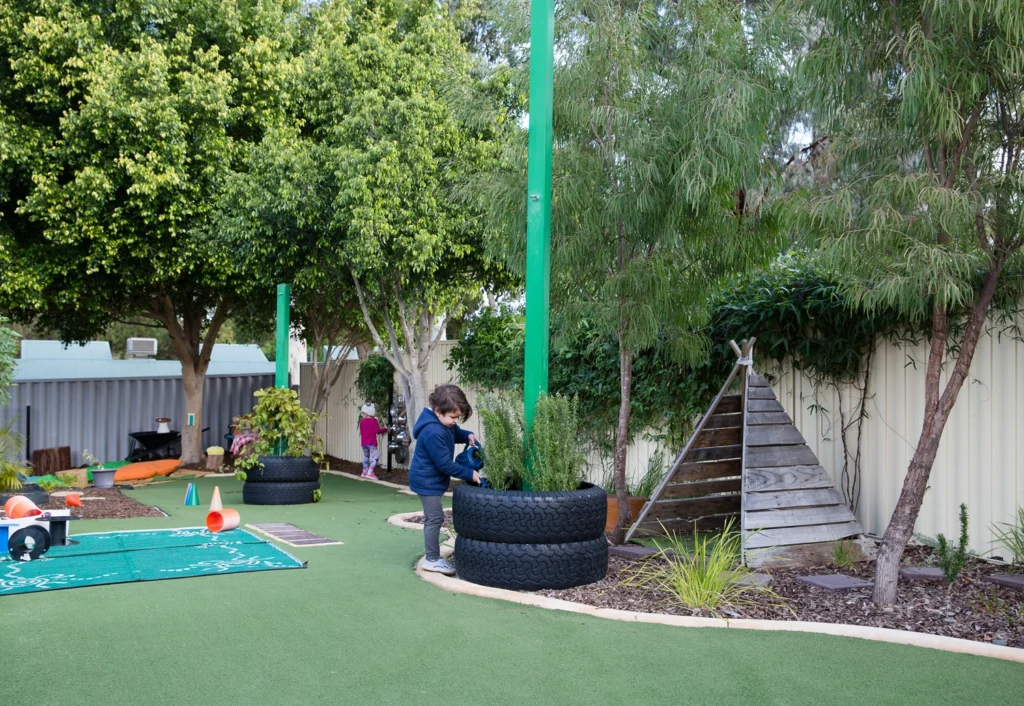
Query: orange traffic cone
22, 508
220, 520
73, 500
215, 503
11, 502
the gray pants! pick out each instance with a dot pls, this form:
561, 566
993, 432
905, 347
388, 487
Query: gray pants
433, 518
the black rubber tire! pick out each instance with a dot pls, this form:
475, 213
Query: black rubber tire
531, 567
284, 469
278, 493
516, 517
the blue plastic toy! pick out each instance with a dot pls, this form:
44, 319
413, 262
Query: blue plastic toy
472, 457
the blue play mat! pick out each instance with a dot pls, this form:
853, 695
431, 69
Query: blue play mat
143, 555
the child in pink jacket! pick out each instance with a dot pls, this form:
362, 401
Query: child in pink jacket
369, 430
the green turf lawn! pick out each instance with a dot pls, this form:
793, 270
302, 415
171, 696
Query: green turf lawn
358, 627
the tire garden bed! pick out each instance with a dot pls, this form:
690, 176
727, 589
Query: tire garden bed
115, 505
971, 608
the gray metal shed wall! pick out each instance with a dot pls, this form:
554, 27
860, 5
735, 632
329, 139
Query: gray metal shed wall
98, 415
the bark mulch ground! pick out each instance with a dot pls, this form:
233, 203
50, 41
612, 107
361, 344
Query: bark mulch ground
113, 506
970, 608
447, 519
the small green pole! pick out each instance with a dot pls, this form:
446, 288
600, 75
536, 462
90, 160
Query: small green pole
538, 205
284, 310
284, 305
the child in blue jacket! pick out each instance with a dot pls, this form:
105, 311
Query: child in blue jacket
432, 468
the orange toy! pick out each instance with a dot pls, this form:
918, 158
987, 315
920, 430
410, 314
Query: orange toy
215, 503
73, 500
146, 470
21, 507
220, 520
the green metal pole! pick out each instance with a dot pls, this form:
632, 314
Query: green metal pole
538, 205
284, 306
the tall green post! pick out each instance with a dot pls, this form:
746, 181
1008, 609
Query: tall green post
284, 309
538, 204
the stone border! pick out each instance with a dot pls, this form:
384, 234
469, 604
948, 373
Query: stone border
899, 637
404, 489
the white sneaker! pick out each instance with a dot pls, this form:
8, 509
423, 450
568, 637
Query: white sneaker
440, 566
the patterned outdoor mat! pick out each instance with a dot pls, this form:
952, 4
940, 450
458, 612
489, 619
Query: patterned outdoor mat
143, 555
291, 535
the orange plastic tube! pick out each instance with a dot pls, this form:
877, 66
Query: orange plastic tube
23, 508
221, 520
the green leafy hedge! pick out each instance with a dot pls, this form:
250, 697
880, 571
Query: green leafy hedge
794, 310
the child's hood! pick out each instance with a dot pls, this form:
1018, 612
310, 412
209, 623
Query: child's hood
427, 417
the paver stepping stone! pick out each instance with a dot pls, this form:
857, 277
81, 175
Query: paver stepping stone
835, 582
759, 580
1011, 580
631, 551
292, 535
921, 573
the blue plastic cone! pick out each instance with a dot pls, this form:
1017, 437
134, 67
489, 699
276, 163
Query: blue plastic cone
191, 496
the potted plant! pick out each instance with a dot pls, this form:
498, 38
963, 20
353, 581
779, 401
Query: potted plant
551, 536
280, 463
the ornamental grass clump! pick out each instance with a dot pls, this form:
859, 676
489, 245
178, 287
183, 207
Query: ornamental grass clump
707, 576
1011, 536
550, 459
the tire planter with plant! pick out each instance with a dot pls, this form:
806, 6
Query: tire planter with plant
280, 463
538, 539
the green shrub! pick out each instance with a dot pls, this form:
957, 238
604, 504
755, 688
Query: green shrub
845, 553
283, 427
702, 573
374, 381
550, 460
645, 487
11, 444
953, 559
1011, 536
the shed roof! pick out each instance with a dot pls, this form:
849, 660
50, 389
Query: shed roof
50, 350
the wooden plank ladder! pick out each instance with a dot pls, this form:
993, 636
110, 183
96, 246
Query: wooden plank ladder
747, 461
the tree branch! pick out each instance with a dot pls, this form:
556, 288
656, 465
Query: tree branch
388, 353
220, 314
961, 147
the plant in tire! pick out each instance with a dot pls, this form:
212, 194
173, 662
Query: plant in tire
282, 427
551, 536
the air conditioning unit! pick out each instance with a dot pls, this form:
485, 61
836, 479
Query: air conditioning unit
141, 347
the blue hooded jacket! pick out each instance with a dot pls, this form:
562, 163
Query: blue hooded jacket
433, 463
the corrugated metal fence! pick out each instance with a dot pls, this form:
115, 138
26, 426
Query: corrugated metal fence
98, 415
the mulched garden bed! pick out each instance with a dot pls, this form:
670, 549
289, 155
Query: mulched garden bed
114, 506
398, 476
971, 608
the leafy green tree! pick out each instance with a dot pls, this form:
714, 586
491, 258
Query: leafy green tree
118, 124
376, 145
923, 103
8, 350
663, 116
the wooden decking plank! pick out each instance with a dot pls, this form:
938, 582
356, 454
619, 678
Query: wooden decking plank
687, 472
776, 456
758, 380
695, 490
755, 419
730, 436
802, 535
786, 478
760, 393
774, 435
798, 517
765, 406
719, 421
694, 507
792, 498
684, 526
729, 404
714, 453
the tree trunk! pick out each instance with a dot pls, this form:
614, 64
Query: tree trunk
418, 391
621, 444
363, 350
192, 435
936, 414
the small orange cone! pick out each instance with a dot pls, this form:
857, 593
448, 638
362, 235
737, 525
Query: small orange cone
215, 503
221, 520
11, 502
73, 500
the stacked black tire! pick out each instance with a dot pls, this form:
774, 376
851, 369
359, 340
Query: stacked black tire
283, 480
530, 540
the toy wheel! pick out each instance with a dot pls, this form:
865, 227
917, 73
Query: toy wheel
28, 543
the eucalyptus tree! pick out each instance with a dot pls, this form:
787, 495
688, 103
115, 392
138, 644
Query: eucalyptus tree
923, 103
118, 124
664, 117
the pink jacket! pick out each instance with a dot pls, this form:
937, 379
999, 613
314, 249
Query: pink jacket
369, 428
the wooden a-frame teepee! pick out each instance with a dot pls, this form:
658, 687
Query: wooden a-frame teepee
747, 460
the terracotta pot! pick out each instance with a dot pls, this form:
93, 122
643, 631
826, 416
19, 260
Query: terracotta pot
635, 506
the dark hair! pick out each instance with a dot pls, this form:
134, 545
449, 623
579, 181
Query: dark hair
451, 398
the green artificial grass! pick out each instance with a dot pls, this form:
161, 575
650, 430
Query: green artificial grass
358, 627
